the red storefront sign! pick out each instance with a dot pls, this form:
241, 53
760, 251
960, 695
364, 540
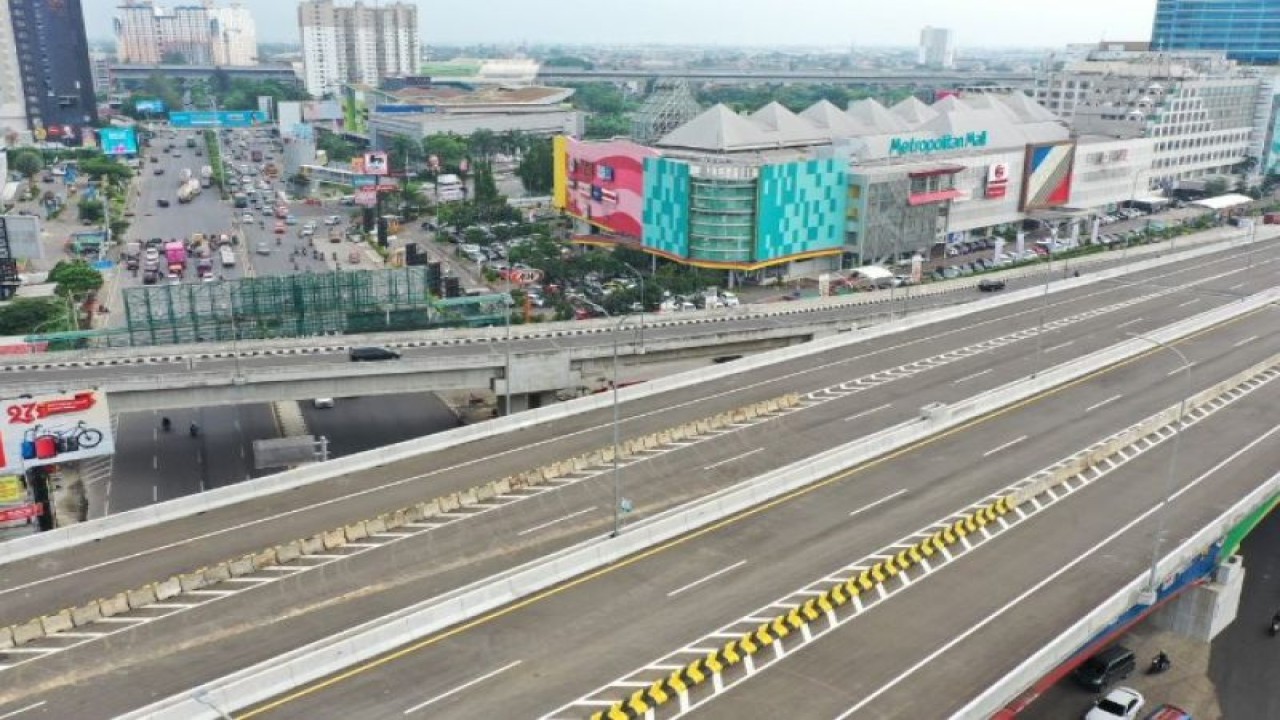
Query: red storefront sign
21, 512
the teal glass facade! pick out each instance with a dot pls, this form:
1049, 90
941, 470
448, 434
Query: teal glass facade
802, 208
666, 206
744, 215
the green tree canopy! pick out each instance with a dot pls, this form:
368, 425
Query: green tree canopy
75, 278
338, 148
483, 143
91, 211
536, 170
25, 316
26, 162
100, 167
448, 148
163, 87
599, 97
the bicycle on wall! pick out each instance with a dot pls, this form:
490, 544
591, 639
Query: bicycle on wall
50, 443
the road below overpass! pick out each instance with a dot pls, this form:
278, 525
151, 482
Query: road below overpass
954, 628
848, 393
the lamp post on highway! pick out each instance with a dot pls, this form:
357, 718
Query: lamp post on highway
506, 313
617, 481
639, 277
1044, 304
235, 332
1151, 593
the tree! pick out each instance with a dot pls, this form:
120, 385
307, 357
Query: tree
403, 152
599, 97
600, 126
514, 143
162, 87
75, 279
26, 162
486, 189
221, 80
537, 168
99, 168
91, 211
26, 316
483, 143
449, 149
336, 147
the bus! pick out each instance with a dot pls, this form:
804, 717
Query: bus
241, 200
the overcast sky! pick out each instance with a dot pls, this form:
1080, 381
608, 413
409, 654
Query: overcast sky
1020, 23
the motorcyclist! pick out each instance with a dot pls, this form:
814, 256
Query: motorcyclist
165, 424
1161, 661
195, 430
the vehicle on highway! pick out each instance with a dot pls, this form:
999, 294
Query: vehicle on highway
161, 202
280, 229
247, 218
227, 257
1106, 667
157, 171
149, 277
990, 285
263, 248
373, 353
290, 220
332, 220
323, 402
1119, 704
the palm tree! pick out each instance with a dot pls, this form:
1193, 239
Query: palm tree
514, 143
483, 143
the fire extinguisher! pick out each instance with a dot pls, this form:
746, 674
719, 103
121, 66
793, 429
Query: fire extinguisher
29, 444
46, 447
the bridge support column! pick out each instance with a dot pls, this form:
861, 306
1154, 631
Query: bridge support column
1201, 612
526, 401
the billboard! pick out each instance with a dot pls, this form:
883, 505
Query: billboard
997, 180
602, 183
321, 111
375, 163
1046, 178
150, 106
49, 429
220, 118
118, 141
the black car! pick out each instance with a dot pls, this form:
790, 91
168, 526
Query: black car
366, 354
158, 171
1106, 667
990, 285
161, 202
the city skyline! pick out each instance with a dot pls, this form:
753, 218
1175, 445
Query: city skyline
977, 23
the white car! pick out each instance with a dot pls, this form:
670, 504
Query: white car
323, 402
1120, 704
332, 220
247, 217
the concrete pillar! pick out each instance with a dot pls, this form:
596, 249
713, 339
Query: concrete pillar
527, 401
1203, 611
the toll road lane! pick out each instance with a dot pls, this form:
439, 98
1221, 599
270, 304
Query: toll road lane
1019, 594
614, 621
142, 557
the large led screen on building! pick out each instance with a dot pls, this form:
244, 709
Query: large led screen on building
602, 183
1046, 181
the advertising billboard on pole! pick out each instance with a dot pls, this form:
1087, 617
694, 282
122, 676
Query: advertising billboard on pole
49, 429
375, 163
118, 141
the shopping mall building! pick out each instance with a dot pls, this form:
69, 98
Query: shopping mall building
826, 189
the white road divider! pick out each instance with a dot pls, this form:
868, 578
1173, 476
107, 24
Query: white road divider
298, 667
178, 508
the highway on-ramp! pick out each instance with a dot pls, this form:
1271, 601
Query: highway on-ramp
848, 393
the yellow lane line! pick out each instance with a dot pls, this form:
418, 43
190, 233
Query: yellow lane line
726, 522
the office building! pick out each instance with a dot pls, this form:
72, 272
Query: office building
100, 68
53, 59
1246, 30
937, 48
1203, 111
356, 43
204, 34
13, 104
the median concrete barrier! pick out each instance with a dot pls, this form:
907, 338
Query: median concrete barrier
204, 502
375, 637
141, 597
117, 604
166, 589
86, 614
57, 622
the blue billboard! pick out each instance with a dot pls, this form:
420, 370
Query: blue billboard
221, 118
118, 141
150, 106
406, 109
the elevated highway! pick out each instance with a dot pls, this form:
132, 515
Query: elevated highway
545, 359
845, 392
930, 78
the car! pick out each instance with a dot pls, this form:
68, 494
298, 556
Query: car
290, 220
263, 248
161, 202
152, 253
247, 218
157, 171
990, 285
322, 402
174, 279
1105, 667
154, 160
1120, 704
279, 228
372, 353
332, 220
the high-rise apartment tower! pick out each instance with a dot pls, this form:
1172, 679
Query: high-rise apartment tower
357, 43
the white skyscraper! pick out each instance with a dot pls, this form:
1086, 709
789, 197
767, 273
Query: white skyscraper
202, 34
937, 48
358, 43
13, 105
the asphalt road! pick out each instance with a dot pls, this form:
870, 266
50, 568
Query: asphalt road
949, 633
231, 634
151, 466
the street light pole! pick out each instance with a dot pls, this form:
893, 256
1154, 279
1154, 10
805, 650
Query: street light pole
639, 277
1044, 305
617, 477
1151, 593
506, 312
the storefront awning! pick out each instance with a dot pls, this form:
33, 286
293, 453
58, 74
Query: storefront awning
934, 172
1222, 202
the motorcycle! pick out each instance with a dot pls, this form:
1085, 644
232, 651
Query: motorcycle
1159, 664
165, 424
1275, 625
194, 430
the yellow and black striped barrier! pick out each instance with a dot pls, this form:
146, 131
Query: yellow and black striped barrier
680, 681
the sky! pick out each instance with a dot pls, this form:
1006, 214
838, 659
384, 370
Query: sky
986, 23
